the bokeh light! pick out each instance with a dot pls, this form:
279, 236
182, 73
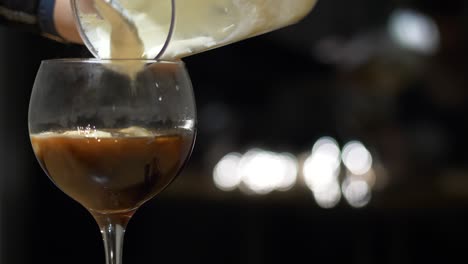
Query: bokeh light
357, 158
321, 170
290, 168
264, 171
356, 192
261, 172
225, 174
329, 195
258, 171
414, 31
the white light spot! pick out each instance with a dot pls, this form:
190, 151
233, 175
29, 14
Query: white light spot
228, 28
225, 174
317, 172
254, 169
328, 196
357, 158
263, 171
323, 165
187, 124
356, 192
321, 170
289, 167
328, 147
415, 31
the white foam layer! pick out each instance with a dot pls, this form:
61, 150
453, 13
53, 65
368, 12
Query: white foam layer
133, 131
136, 132
88, 134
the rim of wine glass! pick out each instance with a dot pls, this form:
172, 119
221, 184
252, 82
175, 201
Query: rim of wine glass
109, 61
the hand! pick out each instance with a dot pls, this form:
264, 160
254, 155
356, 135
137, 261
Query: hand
65, 21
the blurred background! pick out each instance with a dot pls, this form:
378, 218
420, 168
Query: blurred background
341, 139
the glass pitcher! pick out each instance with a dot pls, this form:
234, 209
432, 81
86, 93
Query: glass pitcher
197, 25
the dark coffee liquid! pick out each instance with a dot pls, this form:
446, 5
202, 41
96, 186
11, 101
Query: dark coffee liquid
115, 174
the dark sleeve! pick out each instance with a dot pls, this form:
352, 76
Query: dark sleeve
32, 15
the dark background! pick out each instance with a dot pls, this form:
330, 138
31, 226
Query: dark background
338, 73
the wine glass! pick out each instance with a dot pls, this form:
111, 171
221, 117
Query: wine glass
112, 134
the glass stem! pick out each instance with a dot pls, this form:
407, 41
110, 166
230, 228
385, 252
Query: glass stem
113, 231
113, 235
